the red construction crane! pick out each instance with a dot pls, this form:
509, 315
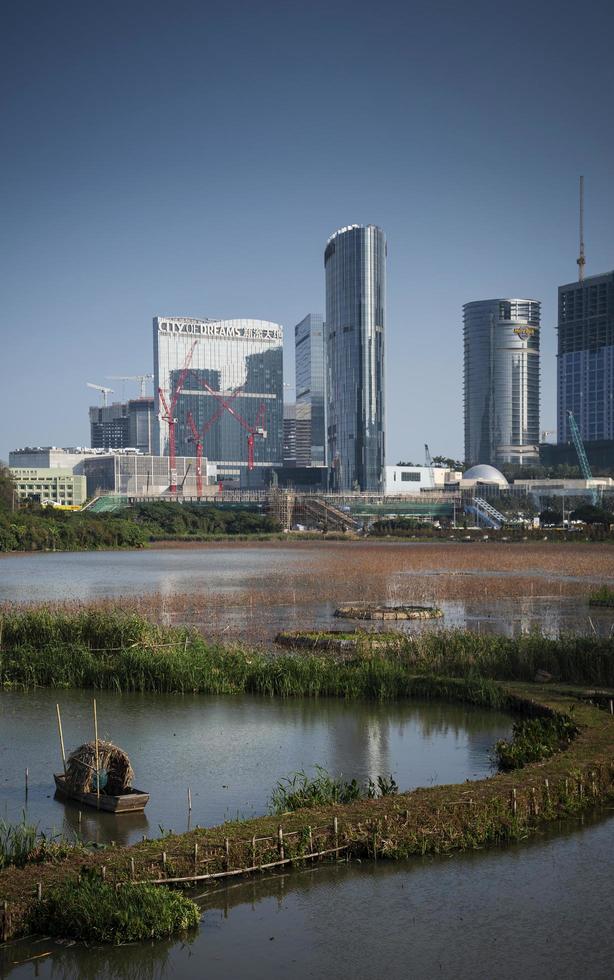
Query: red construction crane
198, 439
168, 415
252, 430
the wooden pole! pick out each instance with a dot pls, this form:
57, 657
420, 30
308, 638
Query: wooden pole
57, 709
195, 856
189, 800
26, 780
97, 771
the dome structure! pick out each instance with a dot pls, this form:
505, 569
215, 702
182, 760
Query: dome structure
483, 473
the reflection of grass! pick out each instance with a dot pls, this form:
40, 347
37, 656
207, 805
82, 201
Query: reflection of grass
602, 597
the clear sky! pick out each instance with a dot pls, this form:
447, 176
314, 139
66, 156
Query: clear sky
193, 157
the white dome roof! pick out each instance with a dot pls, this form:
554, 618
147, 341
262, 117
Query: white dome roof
485, 474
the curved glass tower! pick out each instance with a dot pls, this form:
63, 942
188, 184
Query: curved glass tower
355, 264
502, 381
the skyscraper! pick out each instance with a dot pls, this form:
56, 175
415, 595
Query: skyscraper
310, 391
355, 264
222, 381
585, 376
502, 381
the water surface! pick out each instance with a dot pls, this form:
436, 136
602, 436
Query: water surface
230, 751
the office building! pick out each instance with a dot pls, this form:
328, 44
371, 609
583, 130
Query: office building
310, 391
55, 485
122, 425
501, 381
585, 361
222, 381
355, 267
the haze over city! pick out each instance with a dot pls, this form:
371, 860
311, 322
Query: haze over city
196, 159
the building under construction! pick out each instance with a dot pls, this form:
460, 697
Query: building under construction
219, 394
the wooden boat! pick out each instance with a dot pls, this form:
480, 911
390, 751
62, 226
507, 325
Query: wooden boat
131, 801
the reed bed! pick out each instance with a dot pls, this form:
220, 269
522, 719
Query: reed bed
126, 652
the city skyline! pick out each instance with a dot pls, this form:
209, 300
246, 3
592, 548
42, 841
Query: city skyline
128, 188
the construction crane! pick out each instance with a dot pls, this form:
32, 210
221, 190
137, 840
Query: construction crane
252, 430
141, 378
198, 440
168, 416
105, 392
581, 260
585, 468
428, 462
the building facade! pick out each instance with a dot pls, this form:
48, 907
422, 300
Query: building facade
501, 381
585, 358
222, 381
310, 375
355, 266
136, 475
56, 485
122, 425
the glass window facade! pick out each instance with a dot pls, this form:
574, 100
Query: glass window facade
501, 381
310, 391
585, 374
355, 265
227, 376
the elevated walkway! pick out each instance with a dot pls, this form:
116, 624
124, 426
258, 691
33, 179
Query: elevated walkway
486, 514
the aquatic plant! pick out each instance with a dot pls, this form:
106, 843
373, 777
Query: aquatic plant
95, 911
23, 843
535, 739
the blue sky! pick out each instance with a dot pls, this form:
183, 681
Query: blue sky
193, 158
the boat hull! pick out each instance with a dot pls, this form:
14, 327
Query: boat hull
131, 802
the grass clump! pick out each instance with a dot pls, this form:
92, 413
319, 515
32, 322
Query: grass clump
92, 910
534, 739
603, 596
300, 790
22, 843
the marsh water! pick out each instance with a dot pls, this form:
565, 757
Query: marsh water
252, 592
229, 750
540, 909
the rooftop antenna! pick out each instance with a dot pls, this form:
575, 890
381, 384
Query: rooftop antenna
581, 259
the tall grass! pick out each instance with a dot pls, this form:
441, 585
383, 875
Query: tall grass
300, 790
93, 910
17, 842
125, 652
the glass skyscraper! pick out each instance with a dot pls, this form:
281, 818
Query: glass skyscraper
227, 377
585, 384
355, 264
310, 391
501, 338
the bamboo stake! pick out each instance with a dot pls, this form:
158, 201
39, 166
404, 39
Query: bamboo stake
26, 781
280, 842
189, 800
97, 769
57, 709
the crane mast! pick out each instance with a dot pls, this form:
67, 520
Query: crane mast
581, 260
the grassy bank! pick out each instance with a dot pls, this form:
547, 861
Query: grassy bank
121, 651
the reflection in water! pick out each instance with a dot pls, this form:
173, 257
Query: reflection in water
230, 751
501, 913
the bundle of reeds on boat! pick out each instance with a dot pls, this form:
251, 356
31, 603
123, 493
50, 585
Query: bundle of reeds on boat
115, 771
